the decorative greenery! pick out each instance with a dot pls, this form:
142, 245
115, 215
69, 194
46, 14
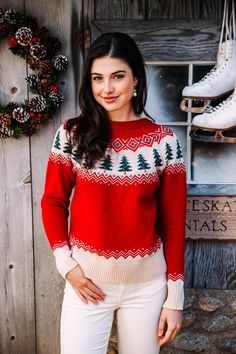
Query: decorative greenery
39, 50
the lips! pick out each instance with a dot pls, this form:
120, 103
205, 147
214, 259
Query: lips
110, 99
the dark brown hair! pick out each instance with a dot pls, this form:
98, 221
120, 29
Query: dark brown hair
92, 132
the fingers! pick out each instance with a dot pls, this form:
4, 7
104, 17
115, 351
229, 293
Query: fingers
84, 287
167, 337
95, 289
169, 325
88, 298
161, 327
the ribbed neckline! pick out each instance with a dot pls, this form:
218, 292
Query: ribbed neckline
127, 125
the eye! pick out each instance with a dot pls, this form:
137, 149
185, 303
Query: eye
96, 78
118, 76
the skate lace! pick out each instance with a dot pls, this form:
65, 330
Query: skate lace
213, 73
222, 106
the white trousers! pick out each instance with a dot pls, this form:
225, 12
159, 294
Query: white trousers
85, 328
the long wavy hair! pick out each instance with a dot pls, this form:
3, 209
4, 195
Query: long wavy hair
92, 128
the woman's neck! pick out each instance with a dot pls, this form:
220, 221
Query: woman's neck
123, 116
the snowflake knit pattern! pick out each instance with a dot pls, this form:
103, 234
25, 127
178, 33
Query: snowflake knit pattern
127, 214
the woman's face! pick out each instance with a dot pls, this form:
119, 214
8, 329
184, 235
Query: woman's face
112, 83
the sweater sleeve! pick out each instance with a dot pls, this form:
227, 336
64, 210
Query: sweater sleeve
171, 219
60, 181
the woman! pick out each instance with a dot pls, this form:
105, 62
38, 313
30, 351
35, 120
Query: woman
125, 248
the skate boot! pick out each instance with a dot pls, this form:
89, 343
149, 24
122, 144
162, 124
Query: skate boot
218, 82
211, 125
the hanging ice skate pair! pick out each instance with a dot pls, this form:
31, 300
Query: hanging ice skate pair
221, 80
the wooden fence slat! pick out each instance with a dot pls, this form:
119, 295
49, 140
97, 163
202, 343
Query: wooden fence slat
17, 312
214, 265
62, 18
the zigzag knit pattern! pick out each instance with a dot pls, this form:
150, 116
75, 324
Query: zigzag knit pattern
127, 213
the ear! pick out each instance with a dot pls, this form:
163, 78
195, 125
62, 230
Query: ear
135, 81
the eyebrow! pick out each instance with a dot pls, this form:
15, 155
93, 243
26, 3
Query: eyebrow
116, 72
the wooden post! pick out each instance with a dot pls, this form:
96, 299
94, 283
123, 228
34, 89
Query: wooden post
17, 309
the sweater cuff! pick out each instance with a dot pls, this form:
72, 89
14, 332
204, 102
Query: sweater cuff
64, 260
175, 295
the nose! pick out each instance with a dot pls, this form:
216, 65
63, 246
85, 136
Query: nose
108, 87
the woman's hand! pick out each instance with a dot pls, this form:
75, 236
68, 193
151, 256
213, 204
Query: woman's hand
84, 287
169, 325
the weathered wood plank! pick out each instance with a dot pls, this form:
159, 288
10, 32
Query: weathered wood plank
211, 218
185, 9
171, 40
188, 269
119, 9
214, 265
17, 312
63, 19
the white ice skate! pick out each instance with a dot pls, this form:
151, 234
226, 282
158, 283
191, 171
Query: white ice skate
221, 79
211, 125
218, 82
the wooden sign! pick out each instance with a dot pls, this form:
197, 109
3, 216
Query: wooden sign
211, 218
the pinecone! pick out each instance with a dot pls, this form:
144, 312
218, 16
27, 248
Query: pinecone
33, 63
57, 98
5, 132
28, 128
43, 87
37, 103
38, 51
1, 16
24, 35
10, 107
32, 126
33, 80
5, 119
37, 123
46, 67
60, 63
20, 115
11, 16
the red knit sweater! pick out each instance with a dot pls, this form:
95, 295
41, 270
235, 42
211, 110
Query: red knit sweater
127, 214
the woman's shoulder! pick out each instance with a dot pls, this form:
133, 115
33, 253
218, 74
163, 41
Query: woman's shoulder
160, 130
67, 127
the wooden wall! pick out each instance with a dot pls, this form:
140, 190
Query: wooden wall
31, 290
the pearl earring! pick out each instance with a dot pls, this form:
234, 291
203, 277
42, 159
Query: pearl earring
135, 92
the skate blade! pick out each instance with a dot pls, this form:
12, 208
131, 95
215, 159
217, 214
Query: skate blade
184, 107
216, 136
210, 98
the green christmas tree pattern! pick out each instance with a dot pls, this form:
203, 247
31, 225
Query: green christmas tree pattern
68, 146
169, 152
157, 158
142, 163
124, 165
75, 156
179, 153
106, 164
57, 144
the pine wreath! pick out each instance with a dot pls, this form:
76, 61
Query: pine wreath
39, 50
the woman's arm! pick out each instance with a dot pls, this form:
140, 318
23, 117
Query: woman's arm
60, 181
171, 202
